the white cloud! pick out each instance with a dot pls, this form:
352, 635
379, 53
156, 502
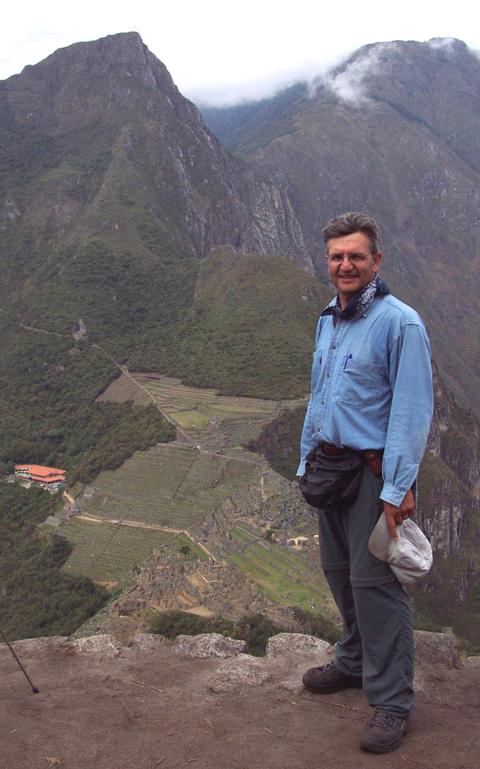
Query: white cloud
225, 52
348, 83
442, 43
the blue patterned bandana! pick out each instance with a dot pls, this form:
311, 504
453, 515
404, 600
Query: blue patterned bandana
358, 305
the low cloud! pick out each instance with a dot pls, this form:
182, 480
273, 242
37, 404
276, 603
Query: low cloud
230, 94
348, 84
346, 80
442, 43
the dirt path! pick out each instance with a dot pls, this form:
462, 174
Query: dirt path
153, 710
133, 524
152, 526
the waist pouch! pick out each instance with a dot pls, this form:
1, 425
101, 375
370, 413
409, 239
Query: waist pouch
331, 482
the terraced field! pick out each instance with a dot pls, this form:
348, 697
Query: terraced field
200, 411
105, 552
282, 575
172, 485
169, 485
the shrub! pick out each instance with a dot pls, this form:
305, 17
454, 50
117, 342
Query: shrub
174, 623
256, 629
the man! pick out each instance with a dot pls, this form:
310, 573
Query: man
371, 395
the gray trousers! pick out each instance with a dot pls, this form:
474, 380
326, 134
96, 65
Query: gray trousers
377, 638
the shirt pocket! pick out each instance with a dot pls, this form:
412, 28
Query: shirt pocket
361, 384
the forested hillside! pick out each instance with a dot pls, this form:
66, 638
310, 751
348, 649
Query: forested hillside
36, 598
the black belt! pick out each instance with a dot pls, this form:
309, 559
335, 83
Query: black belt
373, 457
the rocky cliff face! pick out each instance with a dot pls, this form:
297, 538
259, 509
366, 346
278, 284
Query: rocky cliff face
98, 141
449, 499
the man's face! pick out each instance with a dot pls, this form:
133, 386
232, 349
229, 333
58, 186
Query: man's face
351, 264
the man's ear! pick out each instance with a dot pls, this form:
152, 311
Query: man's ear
377, 258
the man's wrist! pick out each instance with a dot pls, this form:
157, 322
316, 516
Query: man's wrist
392, 494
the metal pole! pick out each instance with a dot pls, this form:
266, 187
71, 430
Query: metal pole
34, 688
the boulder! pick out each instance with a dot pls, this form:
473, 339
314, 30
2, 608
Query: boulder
437, 648
243, 670
148, 642
297, 644
102, 645
209, 645
33, 646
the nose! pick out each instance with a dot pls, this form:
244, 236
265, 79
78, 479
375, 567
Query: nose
346, 264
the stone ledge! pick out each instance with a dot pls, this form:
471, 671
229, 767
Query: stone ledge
208, 645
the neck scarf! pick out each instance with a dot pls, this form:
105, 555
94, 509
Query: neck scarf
359, 304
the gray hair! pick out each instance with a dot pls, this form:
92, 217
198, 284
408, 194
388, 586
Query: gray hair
347, 224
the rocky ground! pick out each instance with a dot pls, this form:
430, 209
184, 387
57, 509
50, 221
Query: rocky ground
202, 702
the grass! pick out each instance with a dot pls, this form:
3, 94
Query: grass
202, 411
191, 420
196, 552
173, 486
282, 575
105, 552
241, 535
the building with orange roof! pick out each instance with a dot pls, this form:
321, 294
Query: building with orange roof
51, 478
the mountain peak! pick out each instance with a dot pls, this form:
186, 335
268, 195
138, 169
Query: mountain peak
121, 47
87, 82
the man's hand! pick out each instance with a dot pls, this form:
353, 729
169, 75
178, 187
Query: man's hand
396, 515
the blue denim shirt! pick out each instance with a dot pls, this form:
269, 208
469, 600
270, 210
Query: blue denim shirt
372, 389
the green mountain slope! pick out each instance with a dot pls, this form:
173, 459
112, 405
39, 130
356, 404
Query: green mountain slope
251, 327
37, 599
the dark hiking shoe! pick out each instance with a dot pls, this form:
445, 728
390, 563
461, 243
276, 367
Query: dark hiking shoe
327, 679
383, 732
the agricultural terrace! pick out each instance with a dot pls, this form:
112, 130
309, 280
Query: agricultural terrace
105, 552
170, 485
285, 577
201, 411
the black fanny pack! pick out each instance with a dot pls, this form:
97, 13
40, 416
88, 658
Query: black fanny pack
331, 482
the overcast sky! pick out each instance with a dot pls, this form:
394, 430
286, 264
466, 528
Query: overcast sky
221, 52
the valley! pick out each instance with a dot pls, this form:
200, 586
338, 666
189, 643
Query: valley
137, 240
202, 497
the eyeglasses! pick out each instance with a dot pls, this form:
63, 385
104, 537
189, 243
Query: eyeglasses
353, 258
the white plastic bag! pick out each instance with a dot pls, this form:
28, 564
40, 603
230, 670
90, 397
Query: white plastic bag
410, 556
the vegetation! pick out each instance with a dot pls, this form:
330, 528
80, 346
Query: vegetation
48, 413
252, 326
255, 629
36, 597
279, 442
188, 549
173, 486
106, 552
174, 623
284, 576
317, 624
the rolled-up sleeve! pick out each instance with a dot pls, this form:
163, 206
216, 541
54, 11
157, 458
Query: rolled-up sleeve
411, 411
